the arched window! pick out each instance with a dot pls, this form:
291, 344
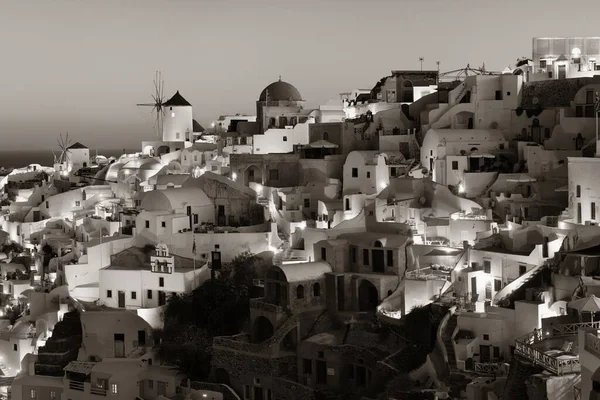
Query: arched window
325, 135
300, 292
378, 243
317, 289
473, 148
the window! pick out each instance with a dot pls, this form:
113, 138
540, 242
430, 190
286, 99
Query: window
149, 294
316, 289
368, 174
454, 165
496, 352
522, 269
508, 93
33, 393
274, 174
285, 138
195, 218
353, 254
323, 253
151, 384
161, 282
177, 135
307, 366
195, 159
109, 294
486, 336
593, 210
133, 295
578, 194
487, 266
542, 63
15, 348
355, 172
497, 285
390, 258
163, 224
365, 257
498, 94
147, 224
347, 204
77, 203
47, 204
300, 292
53, 394
306, 203
114, 388
172, 115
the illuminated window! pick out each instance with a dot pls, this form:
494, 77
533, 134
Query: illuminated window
172, 115
33, 393
114, 388
52, 394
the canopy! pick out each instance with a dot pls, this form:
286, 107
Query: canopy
587, 304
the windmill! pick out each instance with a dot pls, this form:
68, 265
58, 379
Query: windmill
64, 142
157, 106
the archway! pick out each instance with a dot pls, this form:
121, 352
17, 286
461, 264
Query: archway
162, 150
262, 329
368, 296
222, 376
463, 120
253, 174
407, 92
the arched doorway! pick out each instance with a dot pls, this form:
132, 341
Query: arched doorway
222, 376
262, 329
368, 296
253, 174
407, 92
162, 150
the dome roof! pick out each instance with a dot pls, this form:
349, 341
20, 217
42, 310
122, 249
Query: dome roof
280, 91
144, 164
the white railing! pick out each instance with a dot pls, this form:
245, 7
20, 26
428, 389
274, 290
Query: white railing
592, 343
487, 367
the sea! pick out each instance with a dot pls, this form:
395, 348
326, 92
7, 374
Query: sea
23, 158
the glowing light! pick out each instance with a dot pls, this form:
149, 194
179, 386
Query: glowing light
204, 395
233, 176
383, 185
259, 188
212, 125
172, 115
461, 188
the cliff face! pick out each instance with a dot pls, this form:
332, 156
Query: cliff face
519, 372
548, 387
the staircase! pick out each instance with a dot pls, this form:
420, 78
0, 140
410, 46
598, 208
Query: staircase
449, 343
61, 348
504, 294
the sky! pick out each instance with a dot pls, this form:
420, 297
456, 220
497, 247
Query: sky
81, 66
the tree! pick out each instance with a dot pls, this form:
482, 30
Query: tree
188, 348
242, 270
12, 247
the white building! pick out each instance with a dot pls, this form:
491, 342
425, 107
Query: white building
367, 172
584, 191
565, 57
449, 153
132, 283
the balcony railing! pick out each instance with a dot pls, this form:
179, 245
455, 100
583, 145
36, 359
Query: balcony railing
524, 347
592, 343
487, 368
98, 391
74, 385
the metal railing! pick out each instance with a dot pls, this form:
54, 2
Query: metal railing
487, 368
524, 347
98, 391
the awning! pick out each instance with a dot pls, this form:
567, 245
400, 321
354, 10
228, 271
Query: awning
322, 144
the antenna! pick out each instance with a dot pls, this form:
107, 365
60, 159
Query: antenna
421, 59
157, 106
64, 142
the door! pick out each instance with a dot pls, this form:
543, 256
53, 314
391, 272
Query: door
562, 72
473, 287
488, 291
119, 345
221, 216
578, 213
162, 298
36, 216
321, 372
470, 123
258, 393
121, 299
141, 338
378, 262
340, 292
484, 353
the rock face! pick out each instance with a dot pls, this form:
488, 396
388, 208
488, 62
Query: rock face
61, 348
550, 387
520, 371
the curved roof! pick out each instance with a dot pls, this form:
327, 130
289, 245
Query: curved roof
112, 171
305, 271
280, 91
144, 164
177, 101
171, 199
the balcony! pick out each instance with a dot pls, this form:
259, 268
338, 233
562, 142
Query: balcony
543, 348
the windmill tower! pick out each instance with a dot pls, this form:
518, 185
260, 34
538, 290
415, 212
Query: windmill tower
158, 105
61, 158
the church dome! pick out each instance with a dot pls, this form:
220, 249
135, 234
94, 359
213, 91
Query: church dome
280, 91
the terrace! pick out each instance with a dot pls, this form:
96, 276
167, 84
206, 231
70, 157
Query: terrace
556, 350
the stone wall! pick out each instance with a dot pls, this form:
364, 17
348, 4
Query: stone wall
552, 93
